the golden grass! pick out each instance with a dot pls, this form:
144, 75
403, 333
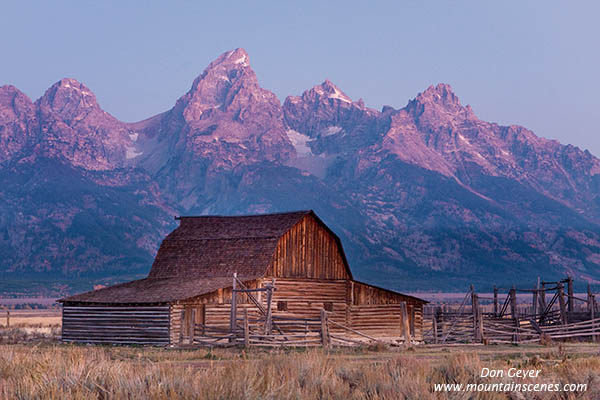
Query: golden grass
54, 371
31, 321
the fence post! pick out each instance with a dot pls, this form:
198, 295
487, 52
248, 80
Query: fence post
435, 326
268, 313
405, 325
181, 326
570, 293
589, 298
513, 302
246, 328
475, 310
542, 298
536, 293
233, 315
495, 301
593, 315
192, 325
324, 329
561, 302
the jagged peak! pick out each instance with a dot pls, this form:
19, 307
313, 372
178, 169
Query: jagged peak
329, 90
68, 90
440, 99
441, 93
230, 68
238, 56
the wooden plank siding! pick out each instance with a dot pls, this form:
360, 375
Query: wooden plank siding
308, 250
116, 324
373, 311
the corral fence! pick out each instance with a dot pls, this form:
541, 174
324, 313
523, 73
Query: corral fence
255, 325
553, 314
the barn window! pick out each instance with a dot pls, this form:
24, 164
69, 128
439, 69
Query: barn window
282, 306
328, 306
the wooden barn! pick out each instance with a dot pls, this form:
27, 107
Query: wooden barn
283, 271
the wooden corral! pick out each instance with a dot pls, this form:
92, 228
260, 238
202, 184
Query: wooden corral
555, 313
265, 279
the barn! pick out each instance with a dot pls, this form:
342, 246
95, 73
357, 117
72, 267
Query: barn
283, 270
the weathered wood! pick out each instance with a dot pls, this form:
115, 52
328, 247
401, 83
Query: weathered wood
513, 303
246, 329
181, 334
542, 297
324, 330
570, 294
592, 316
405, 325
535, 297
495, 301
233, 316
435, 326
562, 305
268, 320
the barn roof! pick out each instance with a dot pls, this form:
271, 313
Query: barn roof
192, 259
201, 255
153, 290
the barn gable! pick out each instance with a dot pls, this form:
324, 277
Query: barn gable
309, 249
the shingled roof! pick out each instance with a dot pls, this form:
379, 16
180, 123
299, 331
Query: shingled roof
200, 256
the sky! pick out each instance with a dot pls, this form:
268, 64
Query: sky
531, 63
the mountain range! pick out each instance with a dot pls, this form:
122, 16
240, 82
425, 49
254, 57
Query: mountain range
423, 197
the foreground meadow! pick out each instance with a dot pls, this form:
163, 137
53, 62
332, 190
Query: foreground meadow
45, 369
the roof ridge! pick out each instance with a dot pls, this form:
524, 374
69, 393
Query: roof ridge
246, 215
227, 238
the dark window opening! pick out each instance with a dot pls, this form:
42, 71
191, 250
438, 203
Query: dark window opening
282, 306
328, 306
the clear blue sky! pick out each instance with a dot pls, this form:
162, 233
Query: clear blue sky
530, 63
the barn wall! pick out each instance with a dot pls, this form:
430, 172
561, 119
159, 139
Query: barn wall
116, 324
308, 250
209, 309
363, 295
362, 307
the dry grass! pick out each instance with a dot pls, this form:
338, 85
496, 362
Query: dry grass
54, 371
35, 318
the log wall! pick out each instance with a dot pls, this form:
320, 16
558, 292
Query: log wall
351, 304
116, 324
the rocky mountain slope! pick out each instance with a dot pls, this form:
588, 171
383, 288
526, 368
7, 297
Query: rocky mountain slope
427, 196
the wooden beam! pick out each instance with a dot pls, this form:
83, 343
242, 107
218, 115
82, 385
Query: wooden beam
561, 302
246, 328
405, 325
570, 293
233, 314
474, 308
513, 303
435, 326
324, 329
181, 325
542, 297
192, 326
535, 298
268, 320
495, 301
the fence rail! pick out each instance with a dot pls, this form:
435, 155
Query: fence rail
564, 316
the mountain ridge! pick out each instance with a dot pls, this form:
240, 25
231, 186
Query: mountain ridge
427, 190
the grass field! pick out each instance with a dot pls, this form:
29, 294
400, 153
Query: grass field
33, 364
24, 318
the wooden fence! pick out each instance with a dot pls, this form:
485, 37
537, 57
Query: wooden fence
559, 318
254, 324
